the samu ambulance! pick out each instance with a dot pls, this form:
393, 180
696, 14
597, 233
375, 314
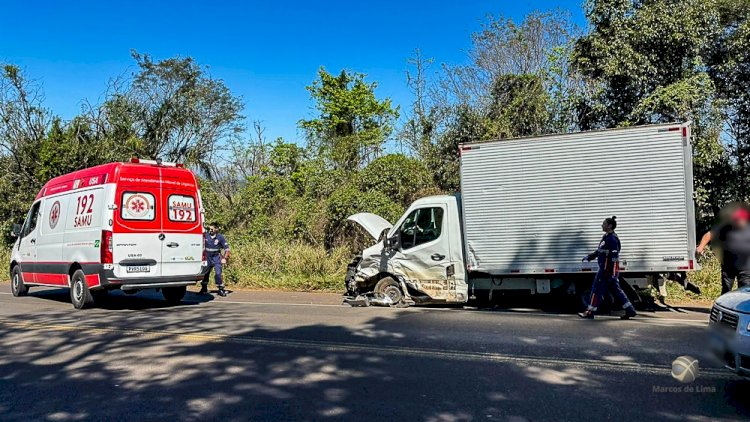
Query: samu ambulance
128, 226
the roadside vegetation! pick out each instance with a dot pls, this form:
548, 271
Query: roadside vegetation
283, 203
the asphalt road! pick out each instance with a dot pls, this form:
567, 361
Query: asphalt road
282, 356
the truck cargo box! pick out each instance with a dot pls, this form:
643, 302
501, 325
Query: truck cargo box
535, 205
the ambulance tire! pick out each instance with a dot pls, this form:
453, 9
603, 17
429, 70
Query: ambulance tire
389, 287
16, 283
80, 295
174, 295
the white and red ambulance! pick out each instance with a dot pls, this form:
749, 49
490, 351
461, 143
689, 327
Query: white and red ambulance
129, 226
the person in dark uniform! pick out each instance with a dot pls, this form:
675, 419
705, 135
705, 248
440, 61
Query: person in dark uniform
217, 253
731, 238
608, 277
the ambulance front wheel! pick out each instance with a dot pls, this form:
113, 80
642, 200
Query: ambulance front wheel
16, 283
174, 295
80, 295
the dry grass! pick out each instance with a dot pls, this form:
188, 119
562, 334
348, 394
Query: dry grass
279, 265
5, 259
708, 279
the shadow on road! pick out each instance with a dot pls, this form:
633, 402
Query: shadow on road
116, 300
134, 366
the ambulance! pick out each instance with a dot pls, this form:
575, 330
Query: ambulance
128, 226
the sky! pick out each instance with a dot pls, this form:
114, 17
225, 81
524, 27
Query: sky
267, 52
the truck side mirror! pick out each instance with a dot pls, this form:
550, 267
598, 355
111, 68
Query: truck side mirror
393, 242
16, 231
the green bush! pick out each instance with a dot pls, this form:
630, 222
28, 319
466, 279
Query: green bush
708, 279
397, 176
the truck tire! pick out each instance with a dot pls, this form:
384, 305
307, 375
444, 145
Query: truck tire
389, 287
174, 295
16, 283
80, 295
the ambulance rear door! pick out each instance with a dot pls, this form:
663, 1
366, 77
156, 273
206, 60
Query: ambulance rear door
138, 234
182, 248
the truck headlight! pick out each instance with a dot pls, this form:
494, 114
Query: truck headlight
748, 326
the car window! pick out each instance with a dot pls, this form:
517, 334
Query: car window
32, 219
138, 206
421, 226
181, 208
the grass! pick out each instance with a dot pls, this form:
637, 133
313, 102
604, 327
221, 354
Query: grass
5, 259
261, 264
708, 278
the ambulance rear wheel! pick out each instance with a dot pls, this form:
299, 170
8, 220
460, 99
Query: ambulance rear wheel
389, 287
80, 295
16, 283
174, 295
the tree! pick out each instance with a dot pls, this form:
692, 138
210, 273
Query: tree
352, 124
519, 82
730, 69
648, 65
36, 146
174, 110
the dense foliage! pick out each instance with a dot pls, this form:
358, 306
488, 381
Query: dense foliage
638, 62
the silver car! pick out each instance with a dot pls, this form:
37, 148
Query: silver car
730, 330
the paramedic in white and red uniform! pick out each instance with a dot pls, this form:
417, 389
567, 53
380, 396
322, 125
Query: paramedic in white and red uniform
217, 253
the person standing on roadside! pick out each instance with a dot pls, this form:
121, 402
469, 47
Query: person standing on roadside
732, 238
217, 253
608, 276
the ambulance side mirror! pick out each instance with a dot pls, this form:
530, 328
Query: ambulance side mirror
16, 231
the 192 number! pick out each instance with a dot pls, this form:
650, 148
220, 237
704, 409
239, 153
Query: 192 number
182, 215
85, 204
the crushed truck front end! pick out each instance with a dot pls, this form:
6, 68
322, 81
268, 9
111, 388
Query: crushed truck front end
421, 255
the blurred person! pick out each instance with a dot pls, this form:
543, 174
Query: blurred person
217, 253
608, 276
731, 240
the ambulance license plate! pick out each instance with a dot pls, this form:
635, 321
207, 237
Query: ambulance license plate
138, 269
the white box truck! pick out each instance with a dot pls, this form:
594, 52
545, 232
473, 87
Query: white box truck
530, 209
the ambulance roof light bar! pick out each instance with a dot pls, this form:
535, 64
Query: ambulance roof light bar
157, 162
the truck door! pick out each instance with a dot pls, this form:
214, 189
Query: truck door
182, 247
137, 237
27, 244
424, 255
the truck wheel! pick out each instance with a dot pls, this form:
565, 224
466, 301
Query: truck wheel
389, 287
80, 295
16, 283
174, 295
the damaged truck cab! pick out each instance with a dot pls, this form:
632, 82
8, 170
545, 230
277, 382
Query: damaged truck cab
419, 259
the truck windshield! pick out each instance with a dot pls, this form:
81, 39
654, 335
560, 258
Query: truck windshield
421, 226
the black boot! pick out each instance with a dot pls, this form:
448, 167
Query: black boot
222, 292
204, 290
586, 315
629, 313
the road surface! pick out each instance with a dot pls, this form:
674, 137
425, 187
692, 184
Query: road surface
285, 356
